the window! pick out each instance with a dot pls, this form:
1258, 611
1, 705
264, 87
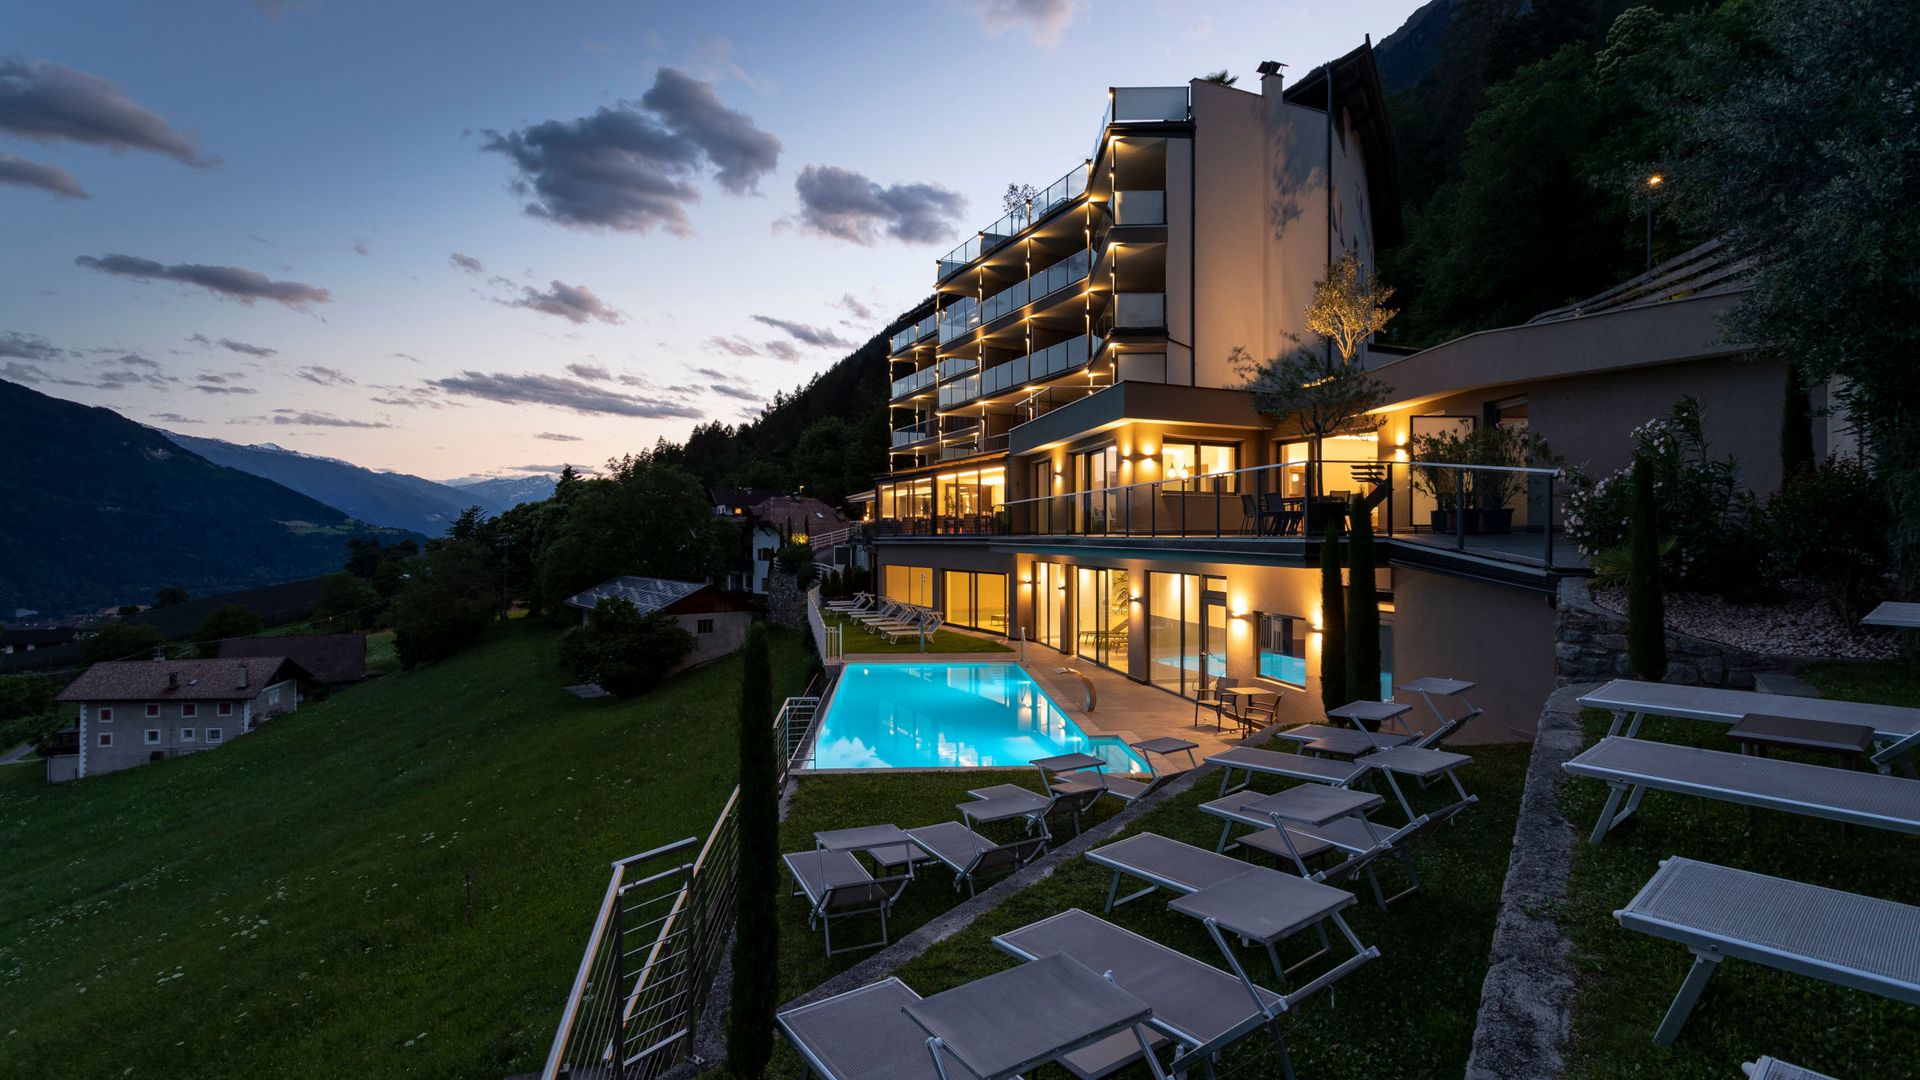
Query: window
186, 734
189, 710
1104, 602
152, 710
153, 737
1186, 466
978, 600
106, 716
704, 626
909, 585
1186, 631
225, 708
1050, 603
106, 738
1283, 649
214, 734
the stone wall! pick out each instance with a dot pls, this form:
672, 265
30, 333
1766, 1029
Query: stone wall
786, 600
1590, 644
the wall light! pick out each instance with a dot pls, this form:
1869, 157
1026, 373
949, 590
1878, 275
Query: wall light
1135, 598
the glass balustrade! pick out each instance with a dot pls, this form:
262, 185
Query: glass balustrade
959, 318
956, 365
914, 433
1132, 104
919, 380
911, 336
1014, 222
1140, 208
1041, 364
968, 313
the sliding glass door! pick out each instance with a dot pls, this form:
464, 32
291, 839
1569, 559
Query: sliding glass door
1050, 604
1103, 608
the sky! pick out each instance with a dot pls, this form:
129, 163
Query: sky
481, 237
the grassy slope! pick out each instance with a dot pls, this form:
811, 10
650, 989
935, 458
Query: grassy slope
1628, 979
857, 638
1409, 1014
293, 904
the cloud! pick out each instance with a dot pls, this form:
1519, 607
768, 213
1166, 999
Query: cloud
562, 393
28, 346
717, 375
845, 205
733, 346
591, 371
46, 102
305, 418
740, 393
467, 262
409, 397
49, 178
854, 307
232, 282
406, 356
324, 376
209, 388
15, 371
1044, 19
782, 350
231, 345
134, 360
574, 303
804, 334
552, 436
631, 166
360, 248
173, 418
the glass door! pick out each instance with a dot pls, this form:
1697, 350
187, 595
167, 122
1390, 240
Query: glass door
1213, 629
1049, 603
1097, 470
1103, 607
1175, 657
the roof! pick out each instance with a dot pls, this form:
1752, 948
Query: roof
1357, 90
1705, 270
804, 514
647, 595
226, 679
329, 658
740, 496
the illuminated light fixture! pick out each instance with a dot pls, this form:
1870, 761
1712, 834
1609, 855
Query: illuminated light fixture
1656, 180
1134, 599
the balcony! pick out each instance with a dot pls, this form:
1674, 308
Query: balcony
914, 433
911, 384
956, 365
1045, 363
912, 335
968, 314
1057, 194
973, 446
1139, 311
1139, 208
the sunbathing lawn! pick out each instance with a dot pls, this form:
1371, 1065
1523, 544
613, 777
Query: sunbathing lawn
1628, 979
294, 904
1409, 1014
856, 638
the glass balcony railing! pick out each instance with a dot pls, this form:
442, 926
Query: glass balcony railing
958, 318
1142, 104
1139, 208
919, 380
1060, 192
919, 432
956, 365
1139, 310
908, 338
1045, 363
962, 317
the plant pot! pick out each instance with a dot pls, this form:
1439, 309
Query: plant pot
1492, 519
1440, 521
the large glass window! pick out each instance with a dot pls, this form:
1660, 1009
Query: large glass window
1188, 466
1283, 649
1104, 600
1050, 603
978, 600
1097, 470
908, 584
1178, 638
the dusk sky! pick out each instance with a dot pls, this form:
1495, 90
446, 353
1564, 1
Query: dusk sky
472, 238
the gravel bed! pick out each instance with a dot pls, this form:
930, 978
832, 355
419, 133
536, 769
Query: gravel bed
1801, 623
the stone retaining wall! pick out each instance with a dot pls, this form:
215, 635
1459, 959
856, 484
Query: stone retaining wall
786, 600
1590, 644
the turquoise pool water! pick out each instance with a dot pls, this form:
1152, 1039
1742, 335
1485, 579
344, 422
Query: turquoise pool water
908, 716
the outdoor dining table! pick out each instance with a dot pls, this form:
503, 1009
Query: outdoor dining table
1060, 772
1246, 695
1019, 1019
887, 845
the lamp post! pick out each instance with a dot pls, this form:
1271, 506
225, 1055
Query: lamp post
1653, 185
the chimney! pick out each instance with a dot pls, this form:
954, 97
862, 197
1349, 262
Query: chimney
240, 681
173, 680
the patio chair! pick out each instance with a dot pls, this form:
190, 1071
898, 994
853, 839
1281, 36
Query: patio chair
1718, 912
1005, 802
1631, 767
1202, 1008
836, 886
861, 1033
1210, 696
1772, 1068
970, 855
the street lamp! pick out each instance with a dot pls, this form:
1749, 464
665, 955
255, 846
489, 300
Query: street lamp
1653, 185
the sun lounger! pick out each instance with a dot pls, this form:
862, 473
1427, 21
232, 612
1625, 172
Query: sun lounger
859, 1034
926, 625
1162, 863
861, 602
1422, 765
1631, 767
1717, 912
1897, 728
1251, 760
838, 887
1345, 742
1772, 1068
1131, 789
1267, 906
1005, 802
1204, 1009
970, 855
891, 611
999, 1026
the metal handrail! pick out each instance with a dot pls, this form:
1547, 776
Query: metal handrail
1255, 469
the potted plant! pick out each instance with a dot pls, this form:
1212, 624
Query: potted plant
1506, 447
1442, 484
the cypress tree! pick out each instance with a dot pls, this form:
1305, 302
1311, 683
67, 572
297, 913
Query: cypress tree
1363, 607
1333, 617
1646, 607
1796, 426
756, 943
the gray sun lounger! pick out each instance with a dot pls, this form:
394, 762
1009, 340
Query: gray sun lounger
1772, 1068
861, 602
861, 1034
1006, 802
1204, 1009
1345, 742
1631, 767
1896, 728
836, 886
1718, 912
1130, 790
970, 855
1252, 760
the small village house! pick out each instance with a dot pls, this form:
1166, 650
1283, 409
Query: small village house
717, 621
332, 659
133, 712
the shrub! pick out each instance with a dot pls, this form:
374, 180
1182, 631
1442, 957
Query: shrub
756, 937
345, 603
1333, 616
1646, 606
25, 695
446, 603
796, 558
626, 652
1363, 607
1508, 446
225, 621
122, 641
1828, 527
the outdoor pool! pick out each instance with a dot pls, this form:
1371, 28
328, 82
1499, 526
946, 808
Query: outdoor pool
919, 716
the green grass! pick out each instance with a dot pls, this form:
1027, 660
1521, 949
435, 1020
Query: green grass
1408, 1014
856, 638
1889, 682
1627, 979
293, 904
381, 655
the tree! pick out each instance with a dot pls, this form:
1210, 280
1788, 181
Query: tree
444, 606
1363, 606
1646, 605
1349, 307
1333, 619
1017, 196
467, 525
626, 652
567, 485
30, 694
1317, 394
169, 596
225, 621
644, 517
344, 602
756, 928
1796, 426
1220, 78
1798, 122
122, 641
